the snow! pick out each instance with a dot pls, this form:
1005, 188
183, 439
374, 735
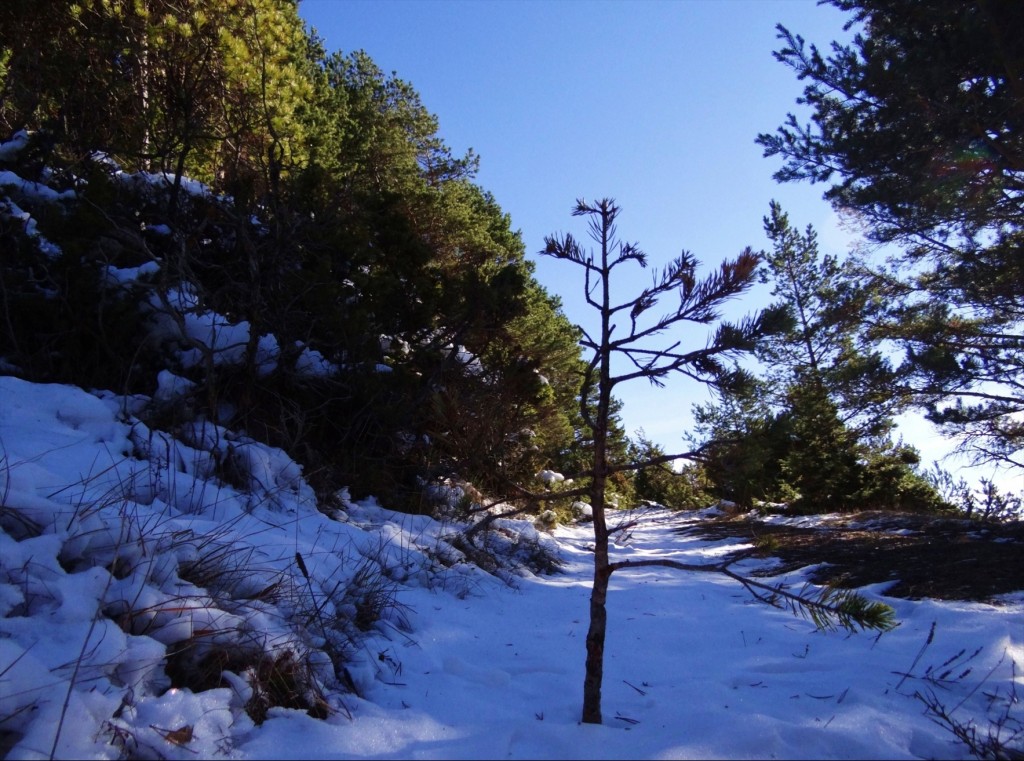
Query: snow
549, 478
131, 556
119, 543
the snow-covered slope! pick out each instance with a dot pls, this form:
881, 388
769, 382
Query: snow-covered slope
183, 596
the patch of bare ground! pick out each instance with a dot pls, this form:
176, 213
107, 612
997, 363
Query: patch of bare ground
923, 556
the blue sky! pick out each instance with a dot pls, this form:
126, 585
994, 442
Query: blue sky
655, 103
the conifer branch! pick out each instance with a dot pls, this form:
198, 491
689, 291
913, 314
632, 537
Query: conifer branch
829, 610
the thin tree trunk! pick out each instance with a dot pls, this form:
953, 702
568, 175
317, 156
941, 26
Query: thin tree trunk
599, 593
598, 625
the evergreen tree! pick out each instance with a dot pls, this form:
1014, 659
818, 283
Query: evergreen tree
698, 303
821, 464
838, 390
339, 221
805, 431
687, 489
744, 439
813, 430
211, 89
917, 126
826, 345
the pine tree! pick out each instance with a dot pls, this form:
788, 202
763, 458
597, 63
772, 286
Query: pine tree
918, 126
211, 89
340, 221
822, 459
698, 303
839, 394
804, 431
743, 439
827, 344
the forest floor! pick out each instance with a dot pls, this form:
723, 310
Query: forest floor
922, 555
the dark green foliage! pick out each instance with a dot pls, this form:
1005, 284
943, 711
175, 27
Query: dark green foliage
822, 461
920, 117
813, 430
826, 344
61, 319
893, 481
918, 127
745, 443
843, 608
803, 455
685, 489
349, 229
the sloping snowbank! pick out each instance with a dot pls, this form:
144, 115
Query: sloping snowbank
182, 596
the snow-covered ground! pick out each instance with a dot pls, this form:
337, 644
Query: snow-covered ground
122, 546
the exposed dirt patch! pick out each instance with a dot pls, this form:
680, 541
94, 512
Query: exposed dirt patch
924, 556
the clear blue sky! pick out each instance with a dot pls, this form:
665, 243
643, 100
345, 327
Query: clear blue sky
653, 102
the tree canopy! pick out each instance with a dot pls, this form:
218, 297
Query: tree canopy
332, 217
810, 424
917, 127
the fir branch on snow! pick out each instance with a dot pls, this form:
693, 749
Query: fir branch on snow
829, 610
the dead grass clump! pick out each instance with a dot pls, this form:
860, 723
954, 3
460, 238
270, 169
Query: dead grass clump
374, 597
226, 571
282, 679
287, 681
199, 666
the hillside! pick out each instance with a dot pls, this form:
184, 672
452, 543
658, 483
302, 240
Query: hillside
183, 596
